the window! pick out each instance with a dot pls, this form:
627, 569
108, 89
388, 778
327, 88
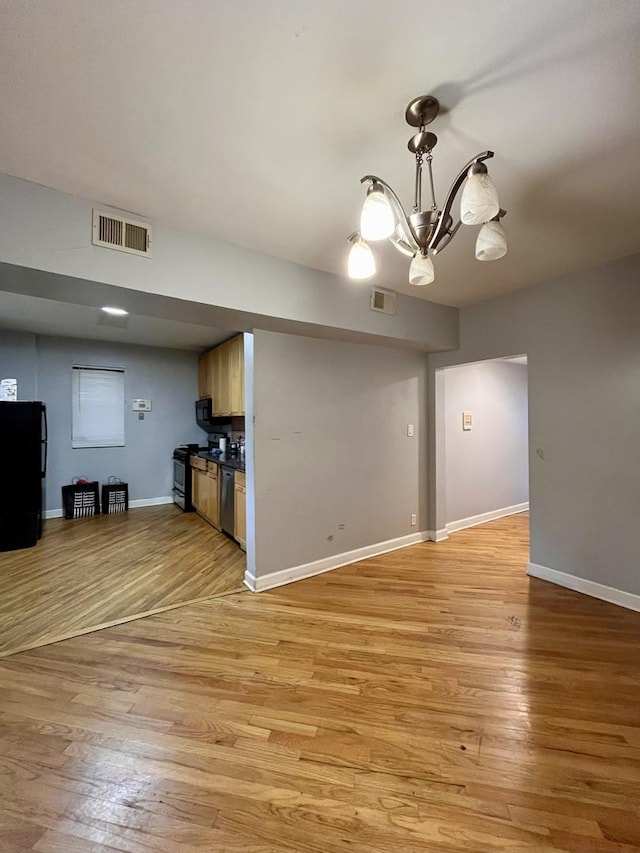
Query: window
98, 407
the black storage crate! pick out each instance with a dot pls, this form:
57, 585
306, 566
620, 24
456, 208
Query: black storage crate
115, 496
80, 500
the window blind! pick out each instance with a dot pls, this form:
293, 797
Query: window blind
98, 407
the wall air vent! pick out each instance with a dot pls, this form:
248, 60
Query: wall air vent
125, 235
383, 301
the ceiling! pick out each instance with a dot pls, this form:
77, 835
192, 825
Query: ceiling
254, 121
21, 312
47, 303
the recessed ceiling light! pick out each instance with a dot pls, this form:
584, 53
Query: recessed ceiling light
116, 312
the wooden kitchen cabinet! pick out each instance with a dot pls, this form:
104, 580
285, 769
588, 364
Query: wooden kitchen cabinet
213, 505
205, 495
213, 372
240, 510
221, 377
236, 375
200, 491
222, 405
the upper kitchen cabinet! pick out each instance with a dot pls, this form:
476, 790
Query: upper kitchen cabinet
222, 400
236, 375
221, 377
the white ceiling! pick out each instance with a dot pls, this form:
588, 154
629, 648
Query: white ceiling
51, 317
254, 121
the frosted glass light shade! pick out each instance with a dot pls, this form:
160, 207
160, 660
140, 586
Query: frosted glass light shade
491, 243
361, 262
479, 201
421, 270
376, 220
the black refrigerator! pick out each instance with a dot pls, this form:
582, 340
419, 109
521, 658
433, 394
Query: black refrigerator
23, 439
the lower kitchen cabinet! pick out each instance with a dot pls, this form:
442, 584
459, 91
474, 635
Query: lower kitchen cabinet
199, 486
204, 489
205, 497
213, 507
240, 510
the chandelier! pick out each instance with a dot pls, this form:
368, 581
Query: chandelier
424, 233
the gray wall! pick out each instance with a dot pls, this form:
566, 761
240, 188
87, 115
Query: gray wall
581, 336
49, 230
18, 361
334, 468
168, 377
486, 467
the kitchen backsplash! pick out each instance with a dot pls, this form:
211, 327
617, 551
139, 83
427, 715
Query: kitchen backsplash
237, 429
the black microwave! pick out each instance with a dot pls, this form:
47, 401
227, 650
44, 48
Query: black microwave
205, 418
204, 408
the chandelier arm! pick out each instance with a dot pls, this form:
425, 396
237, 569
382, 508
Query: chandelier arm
448, 237
398, 210
402, 247
441, 228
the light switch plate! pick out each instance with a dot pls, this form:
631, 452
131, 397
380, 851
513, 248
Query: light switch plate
467, 421
410, 430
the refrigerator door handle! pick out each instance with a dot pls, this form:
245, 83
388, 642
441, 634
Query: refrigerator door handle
45, 441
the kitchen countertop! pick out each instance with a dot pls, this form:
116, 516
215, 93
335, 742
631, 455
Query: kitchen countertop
236, 462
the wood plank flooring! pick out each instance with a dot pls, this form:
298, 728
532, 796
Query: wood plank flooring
88, 573
432, 699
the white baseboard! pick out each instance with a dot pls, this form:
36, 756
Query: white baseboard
474, 520
167, 499
318, 567
53, 513
57, 513
436, 535
596, 590
250, 581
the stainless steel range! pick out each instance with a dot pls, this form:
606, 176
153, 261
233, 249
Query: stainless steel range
182, 476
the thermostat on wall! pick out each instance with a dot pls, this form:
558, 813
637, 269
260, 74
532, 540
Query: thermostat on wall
141, 405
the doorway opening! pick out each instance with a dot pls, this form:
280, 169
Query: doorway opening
481, 443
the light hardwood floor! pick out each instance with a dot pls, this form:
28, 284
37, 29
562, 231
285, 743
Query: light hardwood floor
433, 699
92, 572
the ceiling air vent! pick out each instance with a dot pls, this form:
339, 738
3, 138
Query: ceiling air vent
125, 235
383, 301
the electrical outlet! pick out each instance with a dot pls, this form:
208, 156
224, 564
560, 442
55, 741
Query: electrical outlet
414, 519
410, 430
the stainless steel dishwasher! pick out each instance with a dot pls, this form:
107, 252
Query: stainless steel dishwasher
226, 500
